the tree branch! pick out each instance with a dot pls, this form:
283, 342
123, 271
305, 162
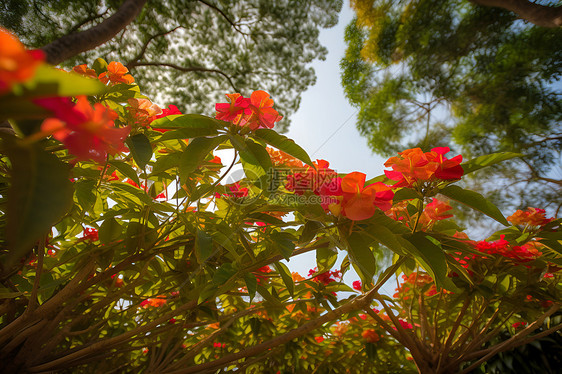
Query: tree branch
234, 25
132, 63
540, 15
185, 70
70, 45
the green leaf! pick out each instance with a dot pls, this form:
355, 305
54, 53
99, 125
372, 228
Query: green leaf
405, 194
268, 296
85, 195
223, 274
284, 144
475, 201
187, 122
47, 81
432, 258
255, 161
283, 243
195, 154
120, 93
362, 257
385, 237
99, 65
110, 230
166, 162
487, 160
285, 274
251, 284
141, 149
203, 246
309, 231
126, 169
40, 194
325, 259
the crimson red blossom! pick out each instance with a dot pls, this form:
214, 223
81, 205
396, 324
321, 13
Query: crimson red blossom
254, 112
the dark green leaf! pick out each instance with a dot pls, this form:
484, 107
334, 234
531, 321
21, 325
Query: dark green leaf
140, 149
405, 194
361, 257
309, 231
187, 122
203, 246
166, 162
223, 274
285, 276
251, 284
284, 144
40, 194
126, 169
283, 243
475, 201
99, 65
325, 259
109, 231
432, 258
195, 154
487, 160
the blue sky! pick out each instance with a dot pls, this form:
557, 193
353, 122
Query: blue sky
325, 127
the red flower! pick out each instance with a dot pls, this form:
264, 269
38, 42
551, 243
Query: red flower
90, 234
88, 132
235, 191
357, 285
319, 339
263, 115
325, 277
16, 63
233, 111
518, 325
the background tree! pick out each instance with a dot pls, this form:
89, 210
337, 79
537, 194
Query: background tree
434, 72
205, 48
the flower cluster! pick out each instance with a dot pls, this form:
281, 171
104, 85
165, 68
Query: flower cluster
325, 277
502, 247
414, 165
531, 217
116, 73
414, 281
88, 132
17, 64
255, 112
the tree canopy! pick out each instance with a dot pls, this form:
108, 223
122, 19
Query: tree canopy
190, 52
433, 73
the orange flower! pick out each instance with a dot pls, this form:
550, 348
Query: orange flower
435, 211
88, 132
531, 217
413, 165
143, 111
280, 158
16, 63
156, 302
83, 70
116, 73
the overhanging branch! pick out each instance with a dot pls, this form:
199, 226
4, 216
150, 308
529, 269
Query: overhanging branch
540, 15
